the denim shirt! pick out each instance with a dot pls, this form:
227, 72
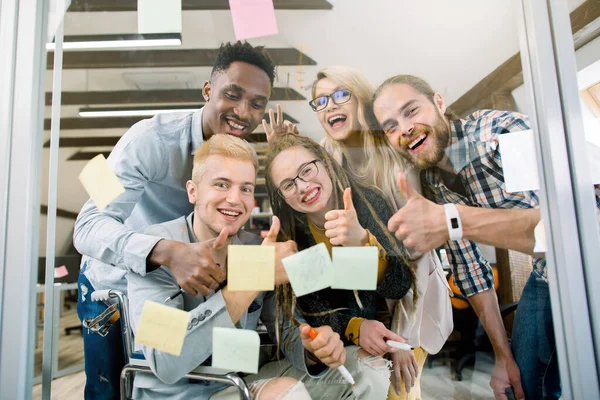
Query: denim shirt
153, 160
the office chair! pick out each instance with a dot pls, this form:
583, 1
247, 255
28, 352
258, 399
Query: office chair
136, 363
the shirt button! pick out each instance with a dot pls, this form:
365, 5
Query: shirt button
201, 317
194, 321
207, 313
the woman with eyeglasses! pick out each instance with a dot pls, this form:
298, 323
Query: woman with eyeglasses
316, 201
342, 101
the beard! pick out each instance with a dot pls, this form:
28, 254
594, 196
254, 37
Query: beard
439, 133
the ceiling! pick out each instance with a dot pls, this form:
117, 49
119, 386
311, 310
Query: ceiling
452, 44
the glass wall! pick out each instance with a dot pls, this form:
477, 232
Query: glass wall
476, 94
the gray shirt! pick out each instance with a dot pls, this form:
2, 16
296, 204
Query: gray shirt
205, 313
153, 160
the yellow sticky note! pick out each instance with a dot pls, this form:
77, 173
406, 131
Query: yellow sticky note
235, 349
162, 327
355, 268
100, 182
250, 267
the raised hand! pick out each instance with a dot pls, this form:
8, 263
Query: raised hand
193, 264
342, 226
420, 224
282, 250
279, 126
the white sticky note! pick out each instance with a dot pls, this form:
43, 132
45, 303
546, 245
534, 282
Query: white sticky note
593, 152
250, 267
253, 18
235, 349
100, 182
162, 327
519, 161
159, 16
310, 270
355, 268
539, 233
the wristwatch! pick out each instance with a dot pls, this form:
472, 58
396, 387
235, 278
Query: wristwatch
453, 221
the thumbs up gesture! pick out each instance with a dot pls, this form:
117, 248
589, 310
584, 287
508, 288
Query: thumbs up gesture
420, 224
282, 250
342, 226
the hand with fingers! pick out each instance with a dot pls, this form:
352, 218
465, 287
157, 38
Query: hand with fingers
405, 369
342, 226
327, 347
282, 250
194, 267
373, 335
421, 223
506, 374
279, 126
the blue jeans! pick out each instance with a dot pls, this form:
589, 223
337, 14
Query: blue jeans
103, 355
533, 342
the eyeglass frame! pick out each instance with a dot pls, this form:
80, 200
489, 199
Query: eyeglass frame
330, 97
279, 192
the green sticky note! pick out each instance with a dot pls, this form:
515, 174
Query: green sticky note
235, 349
355, 268
310, 270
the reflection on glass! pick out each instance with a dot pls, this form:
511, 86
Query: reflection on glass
380, 109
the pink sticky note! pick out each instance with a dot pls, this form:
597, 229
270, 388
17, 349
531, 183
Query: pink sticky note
60, 272
253, 18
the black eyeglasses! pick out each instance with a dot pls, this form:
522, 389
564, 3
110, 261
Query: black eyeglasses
307, 173
340, 96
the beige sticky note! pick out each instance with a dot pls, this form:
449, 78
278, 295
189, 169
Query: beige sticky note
235, 349
250, 267
100, 182
355, 268
162, 327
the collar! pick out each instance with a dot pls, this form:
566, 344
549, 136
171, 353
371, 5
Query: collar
458, 152
189, 221
197, 134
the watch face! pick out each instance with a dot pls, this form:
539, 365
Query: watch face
454, 222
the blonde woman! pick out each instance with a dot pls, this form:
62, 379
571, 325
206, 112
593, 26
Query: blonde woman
341, 99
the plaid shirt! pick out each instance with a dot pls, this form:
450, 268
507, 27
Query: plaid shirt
479, 182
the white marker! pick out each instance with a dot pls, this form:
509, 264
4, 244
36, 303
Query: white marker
398, 345
342, 370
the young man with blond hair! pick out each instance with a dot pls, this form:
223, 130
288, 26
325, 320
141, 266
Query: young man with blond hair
222, 192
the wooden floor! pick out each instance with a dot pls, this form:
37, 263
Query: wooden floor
436, 384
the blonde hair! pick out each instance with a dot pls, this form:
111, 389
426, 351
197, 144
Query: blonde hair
223, 145
382, 162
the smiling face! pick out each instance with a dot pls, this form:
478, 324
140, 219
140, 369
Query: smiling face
222, 197
311, 198
414, 125
237, 98
340, 121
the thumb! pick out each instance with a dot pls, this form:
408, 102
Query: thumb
405, 187
221, 240
348, 205
304, 329
274, 230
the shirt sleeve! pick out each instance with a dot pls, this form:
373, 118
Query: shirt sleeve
197, 345
138, 158
352, 333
